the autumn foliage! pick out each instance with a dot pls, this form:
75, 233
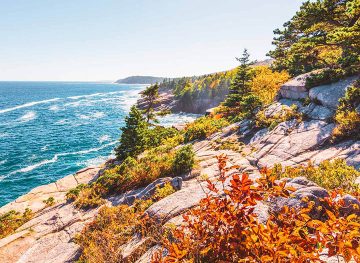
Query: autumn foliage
225, 227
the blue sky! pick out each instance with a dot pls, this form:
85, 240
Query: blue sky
109, 39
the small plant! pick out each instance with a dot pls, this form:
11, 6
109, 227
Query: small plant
325, 76
12, 220
347, 116
50, 201
72, 194
203, 127
184, 160
263, 121
228, 144
88, 198
203, 177
162, 192
332, 175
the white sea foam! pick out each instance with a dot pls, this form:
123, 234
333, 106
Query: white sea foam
104, 138
85, 96
3, 162
3, 135
92, 116
55, 158
54, 108
30, 115
28, 105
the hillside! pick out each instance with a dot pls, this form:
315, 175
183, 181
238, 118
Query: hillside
49, 235
140, 80
272, 174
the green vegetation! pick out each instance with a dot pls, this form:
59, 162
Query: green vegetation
225, 228
184, 159
203, 127
189, 90
322, 34
132, 140
266, 83
347, 116
332, 175
102, 240
241, 103
263, 121
12, 220
50, 201
150, 96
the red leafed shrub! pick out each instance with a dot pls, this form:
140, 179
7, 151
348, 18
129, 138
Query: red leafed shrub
225, 228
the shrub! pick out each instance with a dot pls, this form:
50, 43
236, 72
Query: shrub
224, 227
271, 122
266, 83
325, 76
228, 144
347, 116
203, 127
184, 160
89, 197
102, 239
72, 194
162, 192
50, 201
12, 220
331, 175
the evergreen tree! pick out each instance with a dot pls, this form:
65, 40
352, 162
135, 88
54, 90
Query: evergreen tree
322, 34
150, 96
241, 83
132, 140
241, 103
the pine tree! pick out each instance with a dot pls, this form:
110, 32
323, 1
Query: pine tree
240, 86
241, 102
241, 83
150, 96
132, 140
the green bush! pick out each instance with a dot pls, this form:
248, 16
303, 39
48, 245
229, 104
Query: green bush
203, 127
347, 117
50, 201
72, 194
12, 220
184, 160
325, 76
331, 175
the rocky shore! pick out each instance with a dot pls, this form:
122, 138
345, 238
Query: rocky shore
49, 236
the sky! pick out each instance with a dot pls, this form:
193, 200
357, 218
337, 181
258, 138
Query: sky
88, 40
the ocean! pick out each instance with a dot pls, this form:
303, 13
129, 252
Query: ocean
51, 129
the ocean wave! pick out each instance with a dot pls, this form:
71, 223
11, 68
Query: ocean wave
3, 162
54, 108
55, 158
92, 116
95, 95
30, 115
28, 105
33, 166
104, 138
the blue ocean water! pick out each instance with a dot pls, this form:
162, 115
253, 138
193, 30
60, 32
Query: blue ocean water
51, 129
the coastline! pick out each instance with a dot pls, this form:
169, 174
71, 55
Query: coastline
58, 189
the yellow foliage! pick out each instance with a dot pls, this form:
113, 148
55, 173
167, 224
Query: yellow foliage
266, 83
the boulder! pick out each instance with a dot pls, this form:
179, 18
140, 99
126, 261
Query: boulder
321, 113
329, 95
295, 88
